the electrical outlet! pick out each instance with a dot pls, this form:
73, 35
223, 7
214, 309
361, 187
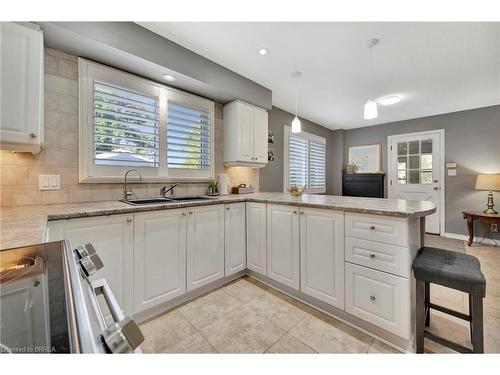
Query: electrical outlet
494, 228
49, 182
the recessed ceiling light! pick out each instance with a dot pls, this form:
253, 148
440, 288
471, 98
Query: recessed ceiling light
168, 77
263, 51
390, 100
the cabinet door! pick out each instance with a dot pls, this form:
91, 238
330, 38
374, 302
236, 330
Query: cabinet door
205, 245
322, 255
22, 86
159, 257
256, 237
112, 237
246, 131
260, 145
283, 244
235, 238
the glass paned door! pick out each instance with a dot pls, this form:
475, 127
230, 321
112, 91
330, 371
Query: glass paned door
414, 164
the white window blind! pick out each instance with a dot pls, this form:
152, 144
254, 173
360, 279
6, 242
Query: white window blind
188, 137
126, 127
306, 155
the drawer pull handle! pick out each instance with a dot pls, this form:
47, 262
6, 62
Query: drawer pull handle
372, 227
295, 211
129, 220
372, 256
372, 298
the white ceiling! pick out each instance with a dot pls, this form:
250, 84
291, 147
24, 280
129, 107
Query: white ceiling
436, 67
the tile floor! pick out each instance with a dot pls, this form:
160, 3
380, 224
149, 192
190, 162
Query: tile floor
246, 316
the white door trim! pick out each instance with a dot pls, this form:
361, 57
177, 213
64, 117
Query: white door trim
442, 229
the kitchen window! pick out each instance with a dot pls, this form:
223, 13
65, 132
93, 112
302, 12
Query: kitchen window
129, 122
304, 161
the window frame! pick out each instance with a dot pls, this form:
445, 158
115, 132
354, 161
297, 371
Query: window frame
310, 137
88, 71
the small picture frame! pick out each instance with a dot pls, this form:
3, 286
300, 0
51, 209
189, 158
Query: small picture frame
366, 157
270, 154
270, 136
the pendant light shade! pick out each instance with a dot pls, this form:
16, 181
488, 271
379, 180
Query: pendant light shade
296, 125
370, 110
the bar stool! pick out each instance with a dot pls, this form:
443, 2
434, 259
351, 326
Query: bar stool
453, 270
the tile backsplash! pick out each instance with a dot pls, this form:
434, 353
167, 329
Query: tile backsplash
19, 171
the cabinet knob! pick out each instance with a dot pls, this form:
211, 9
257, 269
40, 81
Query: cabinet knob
227, 208
295, 211
183, 214
302, 212
32, 135
129, 220
372, 256
372, 227
372, 298
190, 212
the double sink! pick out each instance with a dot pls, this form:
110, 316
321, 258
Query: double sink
157, 200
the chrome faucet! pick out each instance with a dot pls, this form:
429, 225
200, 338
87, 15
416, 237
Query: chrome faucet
164, 190
126, 192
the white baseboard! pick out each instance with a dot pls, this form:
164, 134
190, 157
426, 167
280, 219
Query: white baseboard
464, 237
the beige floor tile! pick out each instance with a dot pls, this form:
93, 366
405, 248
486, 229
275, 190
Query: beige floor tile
281, 313
193, 344
289, 345
208, 309
378, 347
242, 331
325, 338
164, 331
244, 290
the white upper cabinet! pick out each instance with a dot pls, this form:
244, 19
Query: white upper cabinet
283, 244
245, 134
205, 245
21, 77
256, 237
235, 238
322, 255
159, 257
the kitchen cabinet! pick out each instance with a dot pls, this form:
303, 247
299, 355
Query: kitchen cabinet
21, 74
205, 245
235, 246
113, 238
159, 257
283, 244
256, 237
322, 255
245, 135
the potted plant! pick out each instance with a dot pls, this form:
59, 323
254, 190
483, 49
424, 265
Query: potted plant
350, 168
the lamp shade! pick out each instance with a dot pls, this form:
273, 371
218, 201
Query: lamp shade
370, 111
488, 182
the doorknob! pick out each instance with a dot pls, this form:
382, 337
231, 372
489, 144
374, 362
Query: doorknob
435, 181
436, 188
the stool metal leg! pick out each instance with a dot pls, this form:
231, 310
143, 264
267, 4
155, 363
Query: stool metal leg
427, 301
477, 323
470, 322
420, 314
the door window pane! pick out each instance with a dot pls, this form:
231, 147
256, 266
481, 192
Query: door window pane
413, 177
426, 177
402, 148
401, 177
402, 162
426, 146
414, 147
426, 161
414, 162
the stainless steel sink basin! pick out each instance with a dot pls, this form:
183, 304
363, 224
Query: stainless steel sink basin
157, 200
191, 198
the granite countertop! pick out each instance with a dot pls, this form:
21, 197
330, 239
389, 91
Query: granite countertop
27, 225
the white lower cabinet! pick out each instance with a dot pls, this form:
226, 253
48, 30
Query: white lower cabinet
235, 246
205, 245
379, 298
256, 237
159, 257
283, 244
322, 255
113, 239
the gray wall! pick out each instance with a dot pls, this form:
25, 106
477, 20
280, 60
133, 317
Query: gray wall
472, 139
271, 176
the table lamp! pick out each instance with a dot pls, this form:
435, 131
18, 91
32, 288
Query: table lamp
488, 182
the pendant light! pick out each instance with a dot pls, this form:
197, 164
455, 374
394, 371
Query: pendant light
370, 111
296, 126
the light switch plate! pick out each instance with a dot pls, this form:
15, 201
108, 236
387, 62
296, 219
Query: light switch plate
452, 172
49, 182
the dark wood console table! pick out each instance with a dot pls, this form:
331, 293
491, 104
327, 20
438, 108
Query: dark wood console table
470, 216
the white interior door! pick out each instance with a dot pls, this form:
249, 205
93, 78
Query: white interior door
415, 166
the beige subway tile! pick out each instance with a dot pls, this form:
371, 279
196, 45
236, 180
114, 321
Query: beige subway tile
60, 54
27, 158
67, 69
51, 100
50, 64
55, 196
54, 157
6, 196
6, 157
67, 140
80, 193
73, 88
35, 171
69, 176
26, 195
57, 84
68, 104
102, 193
11, 175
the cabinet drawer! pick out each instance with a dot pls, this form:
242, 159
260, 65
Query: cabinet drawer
381, 256
392, 230
379, 298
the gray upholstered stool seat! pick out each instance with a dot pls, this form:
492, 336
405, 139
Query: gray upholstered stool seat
451, 269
